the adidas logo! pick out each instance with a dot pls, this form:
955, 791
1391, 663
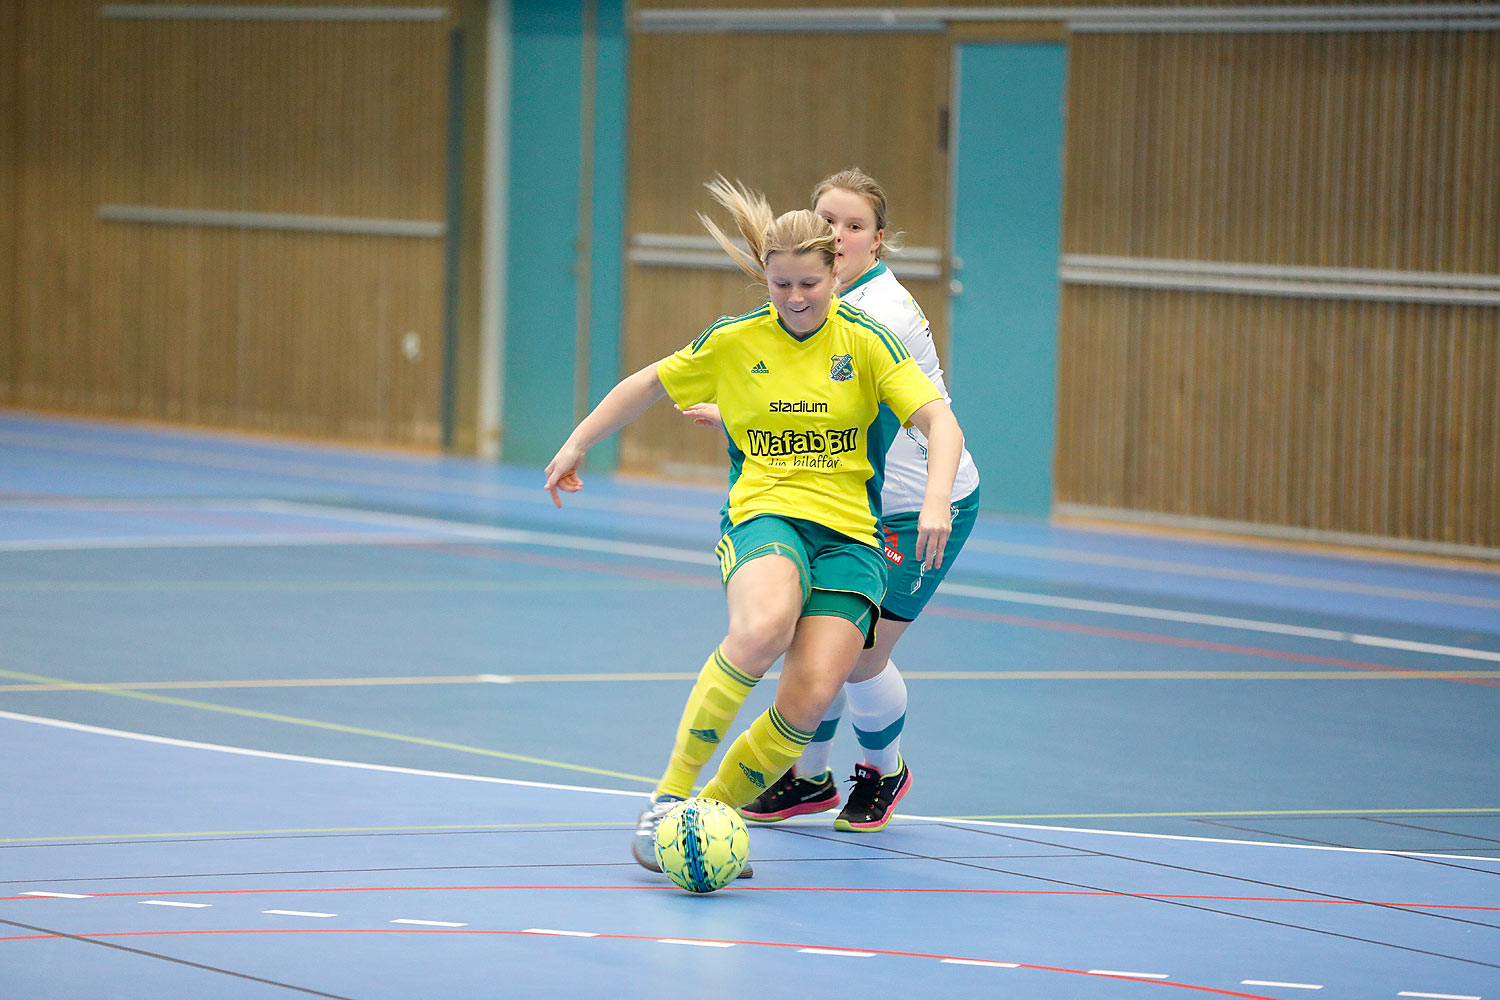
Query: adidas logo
756, 778
706, 735
760, 369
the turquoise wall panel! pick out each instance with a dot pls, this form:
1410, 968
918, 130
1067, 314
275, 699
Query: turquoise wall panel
1007, 228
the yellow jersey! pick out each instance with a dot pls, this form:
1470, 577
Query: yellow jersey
801, 412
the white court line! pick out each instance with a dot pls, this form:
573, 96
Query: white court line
427, 923
1440, 996
549, 539
1223, 573
836, 952
1196, 840
1129, 975
1216, 621
173, 902
1283, 986
296, 758
203, 541
58, 895
240, 751
430, 528
696, 944
976, 961
545, 930
298, 913
317, 470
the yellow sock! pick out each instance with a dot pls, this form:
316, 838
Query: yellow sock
716, 698
762, 754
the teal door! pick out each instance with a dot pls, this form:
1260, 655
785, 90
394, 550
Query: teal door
1007, 216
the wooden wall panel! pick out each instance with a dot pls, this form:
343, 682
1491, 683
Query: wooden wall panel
282, 331
10, 56
1371, 151
1365, 417
778, 112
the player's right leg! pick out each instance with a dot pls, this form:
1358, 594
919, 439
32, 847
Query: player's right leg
765, 588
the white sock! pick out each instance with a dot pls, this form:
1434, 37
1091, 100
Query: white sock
814, 759
877, 708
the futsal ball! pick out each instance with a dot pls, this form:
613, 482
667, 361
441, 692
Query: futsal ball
702, 844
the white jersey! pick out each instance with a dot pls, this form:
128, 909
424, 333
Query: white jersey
887, 301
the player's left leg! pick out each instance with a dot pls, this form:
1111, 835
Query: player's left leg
876, 692
876, 696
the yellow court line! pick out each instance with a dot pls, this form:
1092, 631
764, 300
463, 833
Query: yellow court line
1242, 813
917, 675
275, 683
317, 724
316, 830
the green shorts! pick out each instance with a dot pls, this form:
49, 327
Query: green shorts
840, 576
908, 586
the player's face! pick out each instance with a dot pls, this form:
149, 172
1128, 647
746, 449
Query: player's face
801, 288
853, 221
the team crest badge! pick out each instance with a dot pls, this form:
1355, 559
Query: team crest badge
842, 369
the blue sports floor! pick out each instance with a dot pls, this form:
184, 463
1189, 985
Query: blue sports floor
281, 719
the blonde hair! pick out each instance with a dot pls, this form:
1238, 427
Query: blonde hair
798, 232
856, 181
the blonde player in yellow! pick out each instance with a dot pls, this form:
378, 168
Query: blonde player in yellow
854, 203
799, 383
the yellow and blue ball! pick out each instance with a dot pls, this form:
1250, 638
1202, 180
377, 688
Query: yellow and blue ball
702, 844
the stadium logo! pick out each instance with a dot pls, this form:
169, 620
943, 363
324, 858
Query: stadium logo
842, 369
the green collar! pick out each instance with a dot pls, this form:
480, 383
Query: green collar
804, 338
870, 275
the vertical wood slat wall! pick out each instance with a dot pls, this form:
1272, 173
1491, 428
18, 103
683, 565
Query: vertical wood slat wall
1343, 150
10, 20
290, 332
778, 112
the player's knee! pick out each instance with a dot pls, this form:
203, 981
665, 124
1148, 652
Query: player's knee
763, 632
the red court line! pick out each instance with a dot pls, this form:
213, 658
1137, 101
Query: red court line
1217, 647
770, 888
643, 937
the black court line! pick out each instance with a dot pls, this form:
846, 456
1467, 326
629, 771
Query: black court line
1315, 841
1202, 908
1409, 854
1270, 885
1428, 829
176, 961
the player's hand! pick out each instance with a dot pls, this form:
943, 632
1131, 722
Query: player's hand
562, 472
703, 414
934, 526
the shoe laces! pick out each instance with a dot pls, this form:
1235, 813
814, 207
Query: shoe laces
866, 782
652, 817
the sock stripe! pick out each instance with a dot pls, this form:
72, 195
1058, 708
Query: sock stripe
825, 730
732, 672
882, 738
796, 737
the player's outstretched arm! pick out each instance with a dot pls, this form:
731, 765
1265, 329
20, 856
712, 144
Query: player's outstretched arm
629, 399
945, 448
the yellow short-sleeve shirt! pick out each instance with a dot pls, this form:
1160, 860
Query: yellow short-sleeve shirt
799, 411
